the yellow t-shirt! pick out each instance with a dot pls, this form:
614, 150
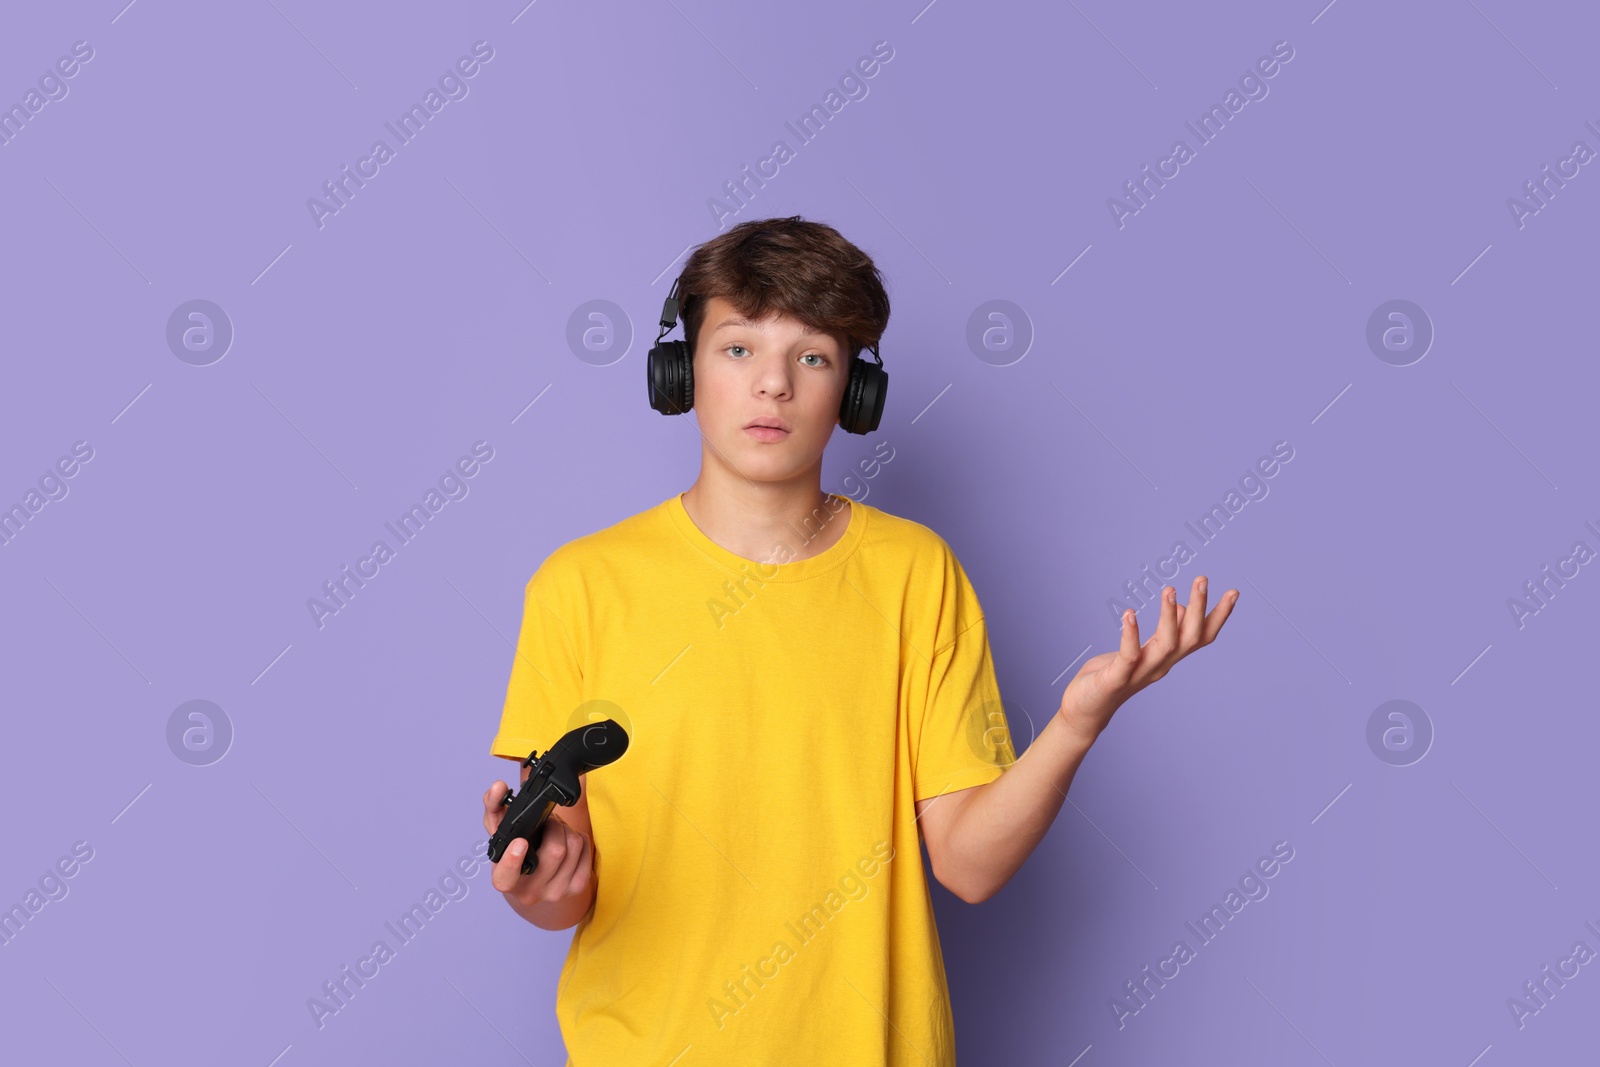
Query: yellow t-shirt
760, 896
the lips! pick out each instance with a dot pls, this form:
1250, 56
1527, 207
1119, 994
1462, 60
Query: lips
767, 434
775, 424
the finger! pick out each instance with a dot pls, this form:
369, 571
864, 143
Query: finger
1119, 670
1194, 618
562, 866
508, 871
1130, 636
1165, 639
577, 855
494, 806
1219, 615
554, 848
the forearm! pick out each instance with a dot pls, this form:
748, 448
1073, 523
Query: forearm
1000, 823
559, 914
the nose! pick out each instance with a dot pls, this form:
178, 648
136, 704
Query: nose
773, 379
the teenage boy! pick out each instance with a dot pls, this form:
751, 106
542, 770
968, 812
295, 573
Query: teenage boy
808, 688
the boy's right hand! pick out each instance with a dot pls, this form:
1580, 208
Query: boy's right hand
566, 857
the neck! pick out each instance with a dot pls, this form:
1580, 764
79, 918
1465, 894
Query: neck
766, 521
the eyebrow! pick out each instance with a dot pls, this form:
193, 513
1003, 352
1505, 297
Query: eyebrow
739, 320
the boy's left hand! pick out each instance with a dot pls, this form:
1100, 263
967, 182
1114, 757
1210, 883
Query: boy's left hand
1107, 680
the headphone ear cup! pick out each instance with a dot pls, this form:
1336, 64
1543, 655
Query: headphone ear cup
864, 395
686, 361
670, 376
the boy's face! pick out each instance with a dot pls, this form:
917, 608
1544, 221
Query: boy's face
773, 370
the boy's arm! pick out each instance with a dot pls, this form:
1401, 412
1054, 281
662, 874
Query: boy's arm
545, 687
979, 837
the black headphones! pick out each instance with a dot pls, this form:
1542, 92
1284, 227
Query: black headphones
670, 371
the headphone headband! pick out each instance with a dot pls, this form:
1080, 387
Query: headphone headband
669, 310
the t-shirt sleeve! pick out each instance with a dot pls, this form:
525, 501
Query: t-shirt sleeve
546, 684
963, 740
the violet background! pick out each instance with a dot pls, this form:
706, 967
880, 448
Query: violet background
1230, 313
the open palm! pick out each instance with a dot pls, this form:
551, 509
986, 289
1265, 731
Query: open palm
1106, 681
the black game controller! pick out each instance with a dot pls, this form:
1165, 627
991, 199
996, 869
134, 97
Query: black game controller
554, 780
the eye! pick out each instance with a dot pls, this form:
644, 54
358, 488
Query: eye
730, 348
823, 362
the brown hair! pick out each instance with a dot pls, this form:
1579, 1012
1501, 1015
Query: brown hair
788, 266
